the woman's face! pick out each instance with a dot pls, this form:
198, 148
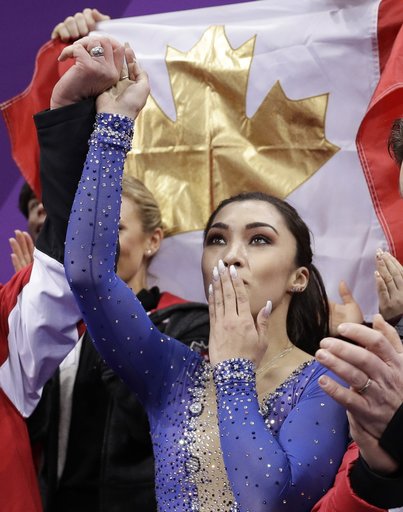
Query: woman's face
134, 243
253, 236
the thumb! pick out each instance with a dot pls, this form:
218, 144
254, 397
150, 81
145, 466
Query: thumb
262, 320
345, 293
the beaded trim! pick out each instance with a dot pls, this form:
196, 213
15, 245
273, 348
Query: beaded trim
235, 369
268, 400
113, 129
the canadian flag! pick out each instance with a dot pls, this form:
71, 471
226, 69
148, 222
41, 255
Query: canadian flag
293, 98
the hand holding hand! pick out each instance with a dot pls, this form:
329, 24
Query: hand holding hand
389, 285
348, 311
90, 75
23, 250
232, 328
130, 94
78, 25
378, 358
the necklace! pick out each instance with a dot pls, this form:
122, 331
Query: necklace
270, 363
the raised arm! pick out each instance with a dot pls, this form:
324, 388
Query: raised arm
42, 314
119, 326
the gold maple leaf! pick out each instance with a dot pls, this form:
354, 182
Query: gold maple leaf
213, 150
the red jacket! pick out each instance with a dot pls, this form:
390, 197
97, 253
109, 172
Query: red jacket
341, 497
38, 317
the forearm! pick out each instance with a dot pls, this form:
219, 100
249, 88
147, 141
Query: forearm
118, 324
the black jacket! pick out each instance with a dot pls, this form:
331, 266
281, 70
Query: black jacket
109, 462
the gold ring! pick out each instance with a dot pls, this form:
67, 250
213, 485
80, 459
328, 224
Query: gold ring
365, 386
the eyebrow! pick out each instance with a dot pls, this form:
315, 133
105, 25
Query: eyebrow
251, 225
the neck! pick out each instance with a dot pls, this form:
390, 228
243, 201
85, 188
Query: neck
138, 281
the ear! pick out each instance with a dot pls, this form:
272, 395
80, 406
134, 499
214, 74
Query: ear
299, 279
154, 242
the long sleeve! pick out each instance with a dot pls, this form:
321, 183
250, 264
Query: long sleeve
145, 359
275, 467
63, 135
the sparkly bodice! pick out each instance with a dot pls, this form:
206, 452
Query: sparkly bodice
216, 448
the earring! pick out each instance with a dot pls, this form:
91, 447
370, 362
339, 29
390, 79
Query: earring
295, 289
149, 251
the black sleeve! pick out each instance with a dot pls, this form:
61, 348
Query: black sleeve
63, 136
381, 491
392, 439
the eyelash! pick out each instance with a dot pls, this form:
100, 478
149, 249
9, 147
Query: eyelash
216, 239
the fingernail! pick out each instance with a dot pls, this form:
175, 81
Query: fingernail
210, 289
216, 275
377, 274
379, 252
342, 328
323, 381
221, 266
321, 355
233, 271
268, 309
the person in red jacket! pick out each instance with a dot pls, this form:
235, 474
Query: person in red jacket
371, 473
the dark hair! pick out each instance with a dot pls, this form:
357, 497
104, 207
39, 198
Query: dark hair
395, 142
308, 314
25, 196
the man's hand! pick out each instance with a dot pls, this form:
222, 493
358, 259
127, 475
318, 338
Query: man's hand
89, 76
130, 94
348, 311
79, 25
23, 250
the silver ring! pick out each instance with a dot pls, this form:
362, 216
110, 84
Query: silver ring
97, 51
124, 77
365, 386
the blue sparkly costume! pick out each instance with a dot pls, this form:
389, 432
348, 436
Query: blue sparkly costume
217, 445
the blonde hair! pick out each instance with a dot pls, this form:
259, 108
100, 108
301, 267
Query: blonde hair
148, 208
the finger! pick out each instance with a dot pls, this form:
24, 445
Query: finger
211, 305
98, 16
381, 289
350, 373
217, 294
262, 321
15, 247
385, 272
134, 68
390, 333
60, 32
242, 298
16, 263
345, 293
82, 25
393, 266
371, 339
229, 296
71, 26
346, 397
21, 240
27, 246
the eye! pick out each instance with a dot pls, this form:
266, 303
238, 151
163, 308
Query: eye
260, 240
215, 239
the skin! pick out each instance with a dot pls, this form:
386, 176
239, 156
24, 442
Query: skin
136, 246
378, 355
257, 264
401, 180
36, 217
78, 25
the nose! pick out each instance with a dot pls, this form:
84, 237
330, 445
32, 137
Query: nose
40, 210
235, 255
